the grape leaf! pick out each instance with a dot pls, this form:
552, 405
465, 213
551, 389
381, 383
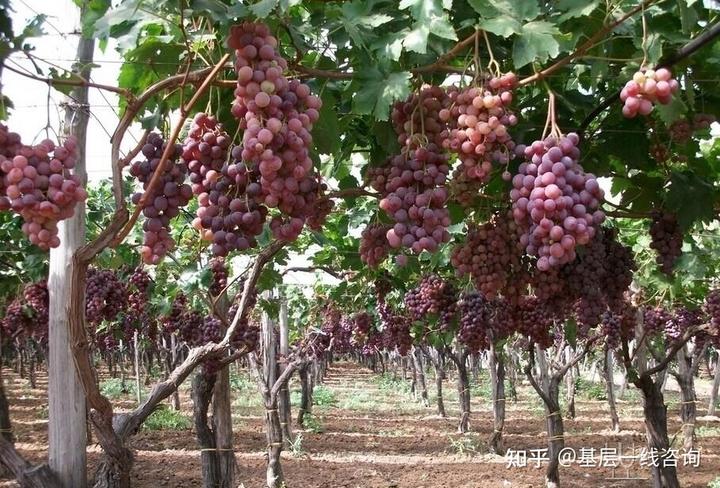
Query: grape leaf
263, 8
576, 8
378, 92
426, 13
671, 112
516, 9
700, 205
502, 26
327, 129
535, 43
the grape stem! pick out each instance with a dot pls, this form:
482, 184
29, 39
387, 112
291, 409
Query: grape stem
684, 52
169, 147
585, 46
75, 81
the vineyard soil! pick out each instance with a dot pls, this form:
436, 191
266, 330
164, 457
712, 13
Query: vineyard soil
369, 432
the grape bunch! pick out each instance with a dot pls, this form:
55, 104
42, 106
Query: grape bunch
433, 296
666, 239
138, 295
219, 276
584, 278
15, 322
160, 207
682, 320
415, 198
105, 295
490, 254
247, 333
37, 300
655, 319
535, 319
172, 321
478, 121
374, 246
555, 201
619, 267
277, 115
474, 312
711, 306
645, 89
362, 323
228, 214
396, 329
37, 185
418, 117
610, 324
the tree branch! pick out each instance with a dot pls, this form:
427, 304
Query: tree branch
676, 346
262, 258
79, 81
169, 148
684, 52
585, 46
528, 372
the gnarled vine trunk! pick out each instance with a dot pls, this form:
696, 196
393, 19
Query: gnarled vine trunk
463, 386
201, 394
610, 389
496, 364
664, 475
712, 405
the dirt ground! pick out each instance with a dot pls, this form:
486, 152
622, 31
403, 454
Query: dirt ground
375, 434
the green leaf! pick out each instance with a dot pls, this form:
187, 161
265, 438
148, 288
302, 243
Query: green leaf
378, 92
327, 129
671, 112
502, 26
535, 43
427, 14
517, 9
575, 8
701, 206
390, 46
263, 8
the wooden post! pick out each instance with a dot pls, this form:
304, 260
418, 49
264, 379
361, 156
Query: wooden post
66, 398
137, 367
715, 387
273, 474
284, 397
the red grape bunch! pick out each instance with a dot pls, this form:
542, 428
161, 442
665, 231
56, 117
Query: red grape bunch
105, 295
396, 329
228, 214
171, 321
374, 246
490, 254
555, 201
165, 203
138, 295
219, 276
478, 122
655, 319
37, 300
474, 311
434, 296
667, 240
619, 265
362, 323
533, 318
415, 198
647, 88
682, 320
277, 115
37, 185
711, 306
418, 117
